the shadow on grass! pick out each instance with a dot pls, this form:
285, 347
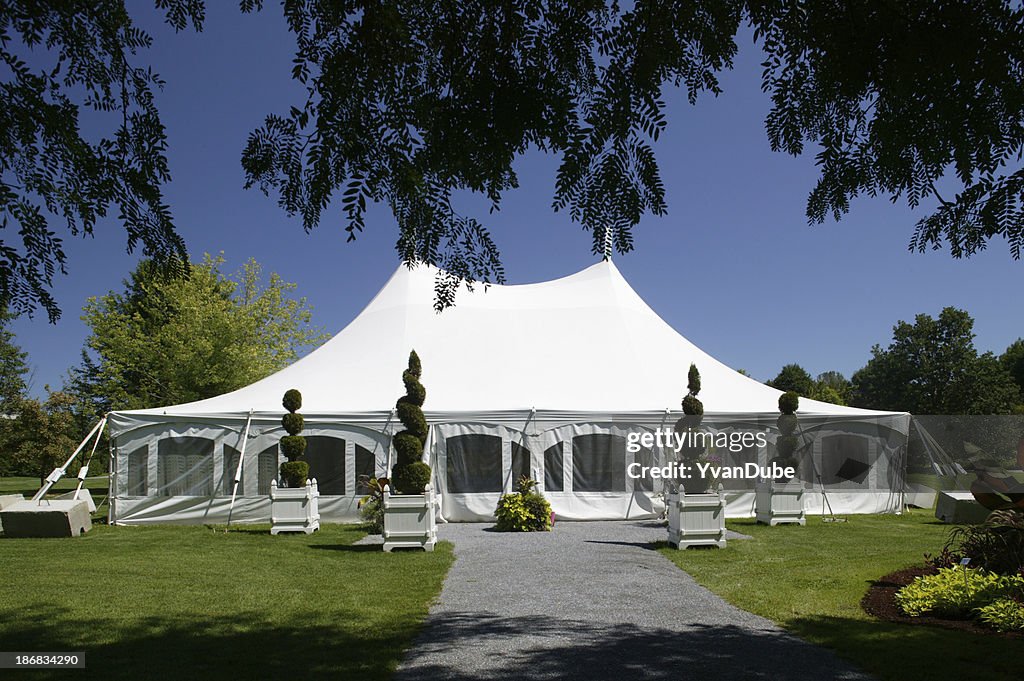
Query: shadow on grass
914, 652
466, 646
353, 548
233, 646
632, 544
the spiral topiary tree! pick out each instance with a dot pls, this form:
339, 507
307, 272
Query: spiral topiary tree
294, 471
688, 426
410, 475
787, 442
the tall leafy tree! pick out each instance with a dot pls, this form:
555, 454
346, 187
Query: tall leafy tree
1013, 362
832, 386
12, 366
932, 367
410, 101
793, 378
169, 339
42, 437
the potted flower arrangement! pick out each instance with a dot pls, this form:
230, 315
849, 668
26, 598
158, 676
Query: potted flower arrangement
525, 510
408, 501
294, 505
781, 500
696, 516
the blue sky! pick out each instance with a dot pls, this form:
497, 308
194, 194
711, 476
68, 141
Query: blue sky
733, 266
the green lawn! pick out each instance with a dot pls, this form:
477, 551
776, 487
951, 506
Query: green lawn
198, 603
811, 580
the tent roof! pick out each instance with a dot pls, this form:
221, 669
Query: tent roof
586, 342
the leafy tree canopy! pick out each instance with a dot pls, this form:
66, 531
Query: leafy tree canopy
1013, 362
932, 367
58, 58
42, 437
409, 101
171, 339
12, 367
793, 378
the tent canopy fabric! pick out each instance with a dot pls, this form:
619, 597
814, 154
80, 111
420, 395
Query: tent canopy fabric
583, 343
547, 379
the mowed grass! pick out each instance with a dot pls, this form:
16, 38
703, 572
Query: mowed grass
195, 602
811, 580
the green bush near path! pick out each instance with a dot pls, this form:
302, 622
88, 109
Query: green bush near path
198, 603
811, 579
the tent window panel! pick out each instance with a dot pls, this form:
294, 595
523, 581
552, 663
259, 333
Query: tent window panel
365, 470
266, 469
231, 456
185, 467
644, 483
553, 468
599, 463
326, 457
138, 469
474, 464
844, 461
520, 463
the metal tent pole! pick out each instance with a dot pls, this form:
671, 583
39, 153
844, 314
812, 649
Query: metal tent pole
58, 473
238, 469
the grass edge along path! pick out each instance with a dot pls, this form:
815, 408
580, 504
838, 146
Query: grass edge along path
810, 580
194, 602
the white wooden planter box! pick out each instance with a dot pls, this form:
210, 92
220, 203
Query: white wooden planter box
294, 509
696, 519
409, 520
776, 503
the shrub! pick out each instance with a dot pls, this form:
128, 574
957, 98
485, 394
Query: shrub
294, 473
412, 479
525, 510
789, 402
1003, 614
996, 544
787, 424
371, 507
293, 446
959, 593
292, 400
293, 423
409, 443
785, 445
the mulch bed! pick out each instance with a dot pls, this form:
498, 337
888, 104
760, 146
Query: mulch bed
880, 601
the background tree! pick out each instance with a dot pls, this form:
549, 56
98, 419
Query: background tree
932, 367
171, 339
42, 437
833, 387
1013, 361
12, 367
409, 101
793, 378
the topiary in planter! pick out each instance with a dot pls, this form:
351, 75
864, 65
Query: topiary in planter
409, 474
787, 443
689, 426
293, 472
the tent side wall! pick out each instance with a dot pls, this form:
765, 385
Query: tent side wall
181, 469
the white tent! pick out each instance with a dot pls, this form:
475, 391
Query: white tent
545, 379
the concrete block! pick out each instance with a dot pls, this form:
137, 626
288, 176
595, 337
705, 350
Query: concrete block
47, 518
960, 508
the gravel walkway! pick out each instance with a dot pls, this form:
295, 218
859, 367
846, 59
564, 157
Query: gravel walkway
592, 601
